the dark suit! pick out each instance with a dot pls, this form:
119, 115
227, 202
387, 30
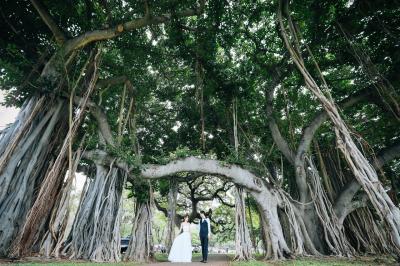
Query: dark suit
204, 238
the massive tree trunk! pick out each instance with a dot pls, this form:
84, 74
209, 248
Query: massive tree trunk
95, 234
52, 181
243, 245
140, 244
361, 168
27, 147
172, 200
334, 235
27, 150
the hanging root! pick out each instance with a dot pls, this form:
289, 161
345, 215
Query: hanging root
367, 234
384, 87
95, 234
26, 165
53, 240
361, 168
52, 181
334, 234
243, 245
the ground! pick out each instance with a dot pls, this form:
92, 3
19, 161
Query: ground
220, 260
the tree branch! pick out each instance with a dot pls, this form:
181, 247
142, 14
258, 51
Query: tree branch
232, 172
177, 219
44, 14
344, 200
309, 131
116, 81
215, 194
103, 158
386, 155
224, 202
103, 124
273, 126
109, 33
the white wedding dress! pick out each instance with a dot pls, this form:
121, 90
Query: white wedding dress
181, 250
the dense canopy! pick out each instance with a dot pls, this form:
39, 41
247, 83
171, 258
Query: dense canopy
296, 102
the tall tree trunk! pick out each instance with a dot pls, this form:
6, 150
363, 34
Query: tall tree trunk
243, 247
363, 171
140, 245
279, 248
172, 199
51, 184
27, 151
95, 234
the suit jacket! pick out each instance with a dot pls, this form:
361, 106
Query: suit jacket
204, 227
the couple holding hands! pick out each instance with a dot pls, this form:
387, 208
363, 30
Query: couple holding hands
181, 250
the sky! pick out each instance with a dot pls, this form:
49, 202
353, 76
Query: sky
7, 114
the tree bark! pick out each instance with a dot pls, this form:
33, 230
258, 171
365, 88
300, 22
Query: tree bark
27, 151
52, 181
172, 200
95, 234
140, 244
52, 241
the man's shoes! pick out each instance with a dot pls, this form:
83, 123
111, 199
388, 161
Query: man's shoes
202, 261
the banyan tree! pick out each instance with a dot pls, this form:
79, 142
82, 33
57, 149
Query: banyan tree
284, 112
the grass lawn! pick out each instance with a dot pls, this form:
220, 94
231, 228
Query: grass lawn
159, 257
37, 263
325, 261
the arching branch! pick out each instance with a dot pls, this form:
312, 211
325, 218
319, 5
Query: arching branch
234, 173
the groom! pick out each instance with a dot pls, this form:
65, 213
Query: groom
205, 233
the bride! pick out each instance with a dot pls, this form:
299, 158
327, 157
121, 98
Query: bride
181, 250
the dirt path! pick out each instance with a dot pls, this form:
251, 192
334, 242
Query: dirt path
213, 260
